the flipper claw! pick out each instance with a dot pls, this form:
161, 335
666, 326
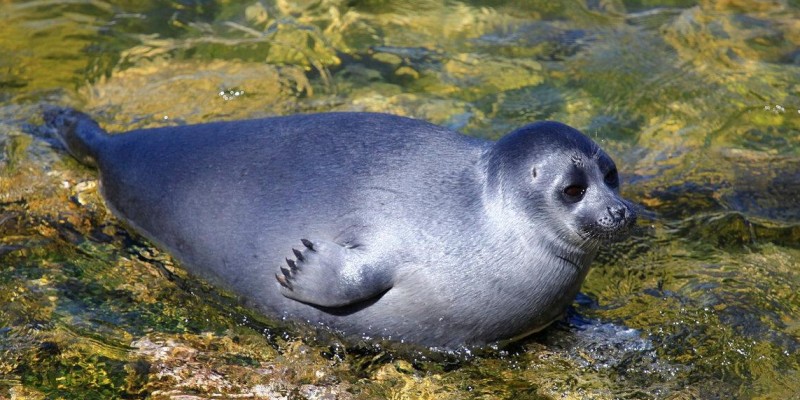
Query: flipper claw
283, 281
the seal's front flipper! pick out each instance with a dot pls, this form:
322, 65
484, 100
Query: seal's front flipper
327, 274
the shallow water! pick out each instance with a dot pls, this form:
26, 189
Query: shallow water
698, 102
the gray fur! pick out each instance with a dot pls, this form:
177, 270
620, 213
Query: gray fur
372, 224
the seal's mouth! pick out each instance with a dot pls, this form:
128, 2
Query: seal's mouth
605, 234
613, 225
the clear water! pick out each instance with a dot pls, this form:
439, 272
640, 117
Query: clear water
698, 102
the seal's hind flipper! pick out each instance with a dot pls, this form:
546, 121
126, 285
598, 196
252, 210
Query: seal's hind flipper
79, 133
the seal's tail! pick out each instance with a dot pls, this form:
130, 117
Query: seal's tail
78, 132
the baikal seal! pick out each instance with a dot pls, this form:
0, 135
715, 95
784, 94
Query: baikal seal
370, 224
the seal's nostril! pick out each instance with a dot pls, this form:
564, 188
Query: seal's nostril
617, 212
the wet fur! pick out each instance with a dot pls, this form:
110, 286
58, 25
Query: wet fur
372, 224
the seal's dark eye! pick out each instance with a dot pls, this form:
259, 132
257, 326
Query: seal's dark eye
611, 178
575, 192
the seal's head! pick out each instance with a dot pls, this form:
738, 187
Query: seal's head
549, 172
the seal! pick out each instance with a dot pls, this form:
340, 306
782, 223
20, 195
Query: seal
370, 224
